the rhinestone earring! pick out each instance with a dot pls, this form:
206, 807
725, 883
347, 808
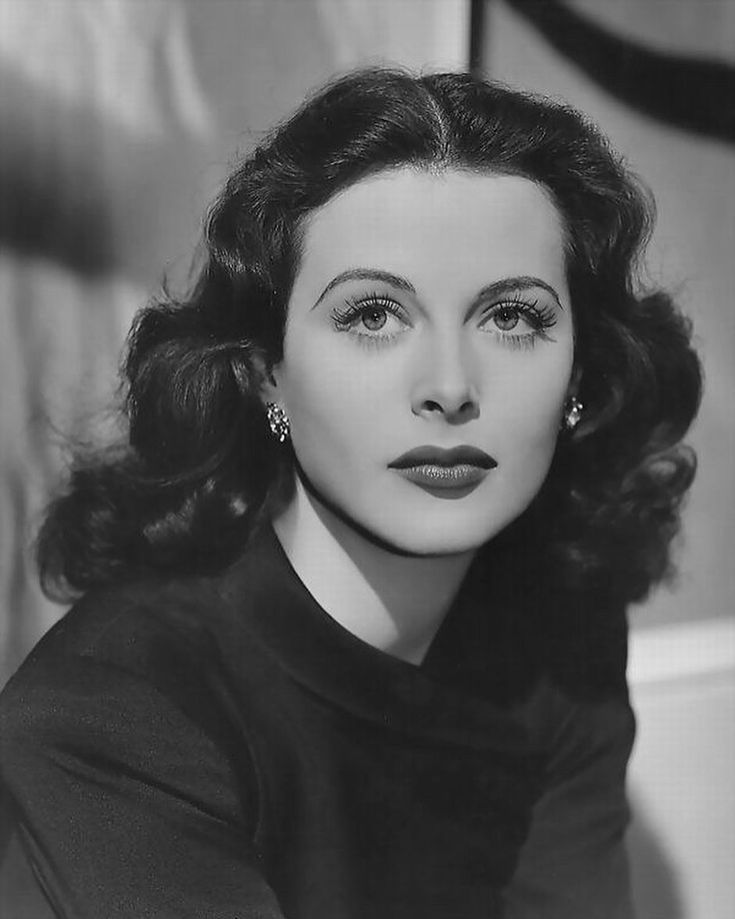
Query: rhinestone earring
278, 421
572, 413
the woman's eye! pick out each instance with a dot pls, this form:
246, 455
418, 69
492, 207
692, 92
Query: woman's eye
506, 318
371, 318
375, 318
519, 323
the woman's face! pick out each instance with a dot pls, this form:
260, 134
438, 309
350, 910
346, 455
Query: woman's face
427, 355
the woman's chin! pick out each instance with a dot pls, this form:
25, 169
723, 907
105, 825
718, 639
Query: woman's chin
433, 542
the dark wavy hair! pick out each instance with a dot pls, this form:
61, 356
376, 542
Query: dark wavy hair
200, 468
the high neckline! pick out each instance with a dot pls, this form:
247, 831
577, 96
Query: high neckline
328, 660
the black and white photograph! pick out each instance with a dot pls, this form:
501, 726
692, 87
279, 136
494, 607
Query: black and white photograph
367, 459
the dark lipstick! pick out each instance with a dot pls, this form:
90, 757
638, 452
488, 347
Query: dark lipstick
459, 468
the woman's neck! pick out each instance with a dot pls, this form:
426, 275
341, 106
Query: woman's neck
391, 601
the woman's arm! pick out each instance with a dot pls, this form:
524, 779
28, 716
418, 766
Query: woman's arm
573, 864
126, 806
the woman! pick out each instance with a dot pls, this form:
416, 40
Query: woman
352, 634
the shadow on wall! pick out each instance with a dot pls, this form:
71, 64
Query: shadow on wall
657, 892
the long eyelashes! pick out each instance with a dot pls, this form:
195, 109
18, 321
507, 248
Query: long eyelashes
366, 318
376, 319
356, 308
541, 317
507, 313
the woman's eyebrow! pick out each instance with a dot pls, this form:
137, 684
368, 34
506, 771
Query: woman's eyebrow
515, 285
366, 274
496, 289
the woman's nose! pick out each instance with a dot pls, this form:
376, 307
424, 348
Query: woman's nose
444, 386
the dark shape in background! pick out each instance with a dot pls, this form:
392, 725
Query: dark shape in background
477, 37
53, 198
689, 93
79, 190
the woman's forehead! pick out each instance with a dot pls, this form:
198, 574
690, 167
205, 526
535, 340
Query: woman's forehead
436, 227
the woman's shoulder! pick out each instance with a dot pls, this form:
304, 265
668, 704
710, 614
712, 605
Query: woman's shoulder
141, 624
134, 675
121, 706
146, 617
157, 642
191, 641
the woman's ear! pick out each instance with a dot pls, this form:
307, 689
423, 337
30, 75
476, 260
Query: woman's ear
267, 375
575, 382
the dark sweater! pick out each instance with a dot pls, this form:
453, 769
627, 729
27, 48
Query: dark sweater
221, 748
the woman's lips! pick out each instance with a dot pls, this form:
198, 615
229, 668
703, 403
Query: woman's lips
460, 475
458, 469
